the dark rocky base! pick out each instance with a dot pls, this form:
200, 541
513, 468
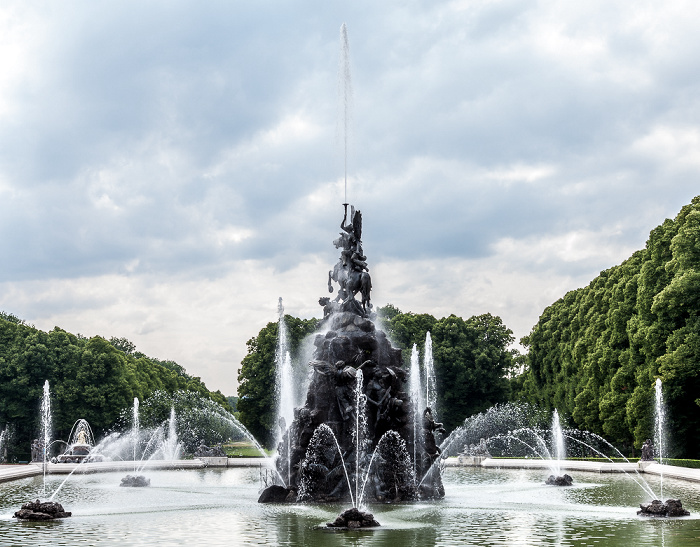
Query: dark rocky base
135, 481
278, 494
564, 480
353, 519
37, 510
657, 508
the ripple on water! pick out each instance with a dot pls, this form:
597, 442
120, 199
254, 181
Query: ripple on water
482, 507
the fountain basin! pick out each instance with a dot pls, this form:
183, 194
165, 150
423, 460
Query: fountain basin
481, 506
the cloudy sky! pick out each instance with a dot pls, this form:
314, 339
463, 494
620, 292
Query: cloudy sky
169, 169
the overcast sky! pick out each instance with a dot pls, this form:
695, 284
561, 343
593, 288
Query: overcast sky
169, 169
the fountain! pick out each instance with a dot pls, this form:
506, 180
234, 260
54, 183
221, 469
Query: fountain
430, 382
659, 427
657, 508
135, 428
557, 479
45, 428
80, 443
357, 394
357, 391
284, 384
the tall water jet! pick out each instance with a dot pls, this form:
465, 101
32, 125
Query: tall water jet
659, 429
416, 397
429, 370
345, 99
285, 384
45, 427
360, 429
557, 442
355, 370
135, 426
171, 448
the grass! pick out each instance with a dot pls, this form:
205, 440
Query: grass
243, 449
694, 464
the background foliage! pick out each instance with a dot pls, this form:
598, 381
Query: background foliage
596, 353
91, 378
472, 363
256, 406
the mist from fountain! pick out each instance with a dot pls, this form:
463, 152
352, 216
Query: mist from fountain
520, 430
392, 452
572, 435
316, 459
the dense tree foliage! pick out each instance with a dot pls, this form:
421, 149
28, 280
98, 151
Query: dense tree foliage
596, 353
256, 378
472, 363
89, 378
472, 360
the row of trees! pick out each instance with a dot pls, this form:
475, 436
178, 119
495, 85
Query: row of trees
472, 361
90, 378
596, 353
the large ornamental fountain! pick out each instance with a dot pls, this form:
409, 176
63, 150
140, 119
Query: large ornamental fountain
358, 437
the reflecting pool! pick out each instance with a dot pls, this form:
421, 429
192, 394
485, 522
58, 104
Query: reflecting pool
219, 507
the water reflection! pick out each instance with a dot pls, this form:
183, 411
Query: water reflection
218, 507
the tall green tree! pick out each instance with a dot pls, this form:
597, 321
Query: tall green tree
596, 353
473, 362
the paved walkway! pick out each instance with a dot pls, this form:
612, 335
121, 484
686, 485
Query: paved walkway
14, 472
683, 473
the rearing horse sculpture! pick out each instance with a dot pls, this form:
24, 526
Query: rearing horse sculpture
351, 282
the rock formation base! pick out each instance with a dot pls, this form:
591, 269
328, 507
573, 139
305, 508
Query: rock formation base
353, 519
37, 510
657, 508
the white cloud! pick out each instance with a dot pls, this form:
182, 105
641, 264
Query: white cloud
166, 172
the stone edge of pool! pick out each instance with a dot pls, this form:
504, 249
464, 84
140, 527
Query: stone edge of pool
9, 472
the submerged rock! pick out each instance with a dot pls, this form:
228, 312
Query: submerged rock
657, 508
353, 519
135, 481
37, 510
564, 480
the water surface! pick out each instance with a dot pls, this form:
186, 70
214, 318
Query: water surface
218, 507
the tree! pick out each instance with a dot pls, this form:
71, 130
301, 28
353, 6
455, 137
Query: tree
596, 353
91, 379
257, 377
472, 360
